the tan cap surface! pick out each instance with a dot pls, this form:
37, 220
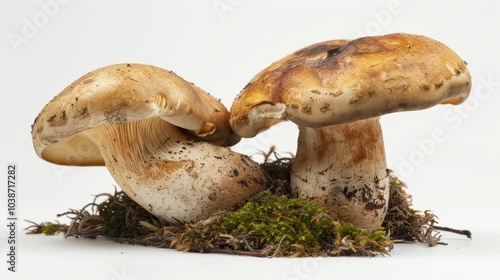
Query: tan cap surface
119, 94
338, 82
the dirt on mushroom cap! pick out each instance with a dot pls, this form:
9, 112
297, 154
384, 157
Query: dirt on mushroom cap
338, 81
159, 136
125, 93
330, 86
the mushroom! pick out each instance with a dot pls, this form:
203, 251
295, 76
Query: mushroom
335, 92
160, 137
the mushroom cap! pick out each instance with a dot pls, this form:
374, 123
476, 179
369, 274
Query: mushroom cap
125, 93
343, 81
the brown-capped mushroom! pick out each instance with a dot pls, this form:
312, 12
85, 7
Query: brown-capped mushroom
159, 136
335, 92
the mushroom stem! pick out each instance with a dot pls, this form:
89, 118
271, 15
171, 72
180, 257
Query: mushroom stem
344, 168
166, 172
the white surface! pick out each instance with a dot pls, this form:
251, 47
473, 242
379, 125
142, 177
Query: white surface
220, 45
104, 259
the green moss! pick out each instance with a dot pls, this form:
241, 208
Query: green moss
277, 219
273, 223
121, 215
47, 228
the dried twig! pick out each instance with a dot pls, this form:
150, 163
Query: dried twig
456, 231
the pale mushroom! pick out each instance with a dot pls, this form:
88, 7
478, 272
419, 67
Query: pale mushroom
159, 136
335, 92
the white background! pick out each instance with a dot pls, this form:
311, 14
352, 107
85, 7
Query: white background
220, 45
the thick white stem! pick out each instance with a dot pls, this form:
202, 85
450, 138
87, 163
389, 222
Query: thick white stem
172, 176
344, 168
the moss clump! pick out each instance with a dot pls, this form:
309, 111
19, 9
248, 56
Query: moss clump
121, 217
278, 220
273, 223
405, 223
117, 216
47, 228
268, 225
